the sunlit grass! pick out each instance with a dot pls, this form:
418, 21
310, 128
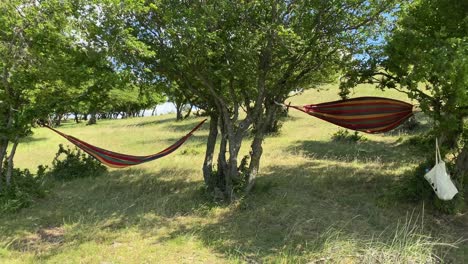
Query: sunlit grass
315, 201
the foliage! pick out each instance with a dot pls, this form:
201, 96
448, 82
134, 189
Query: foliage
345, 136
24, 189
425, 57
70, 164
227, 57
414, 188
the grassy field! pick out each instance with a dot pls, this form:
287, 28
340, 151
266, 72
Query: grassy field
316, 201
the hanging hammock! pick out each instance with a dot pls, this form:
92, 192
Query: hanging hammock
119, 160
365, 114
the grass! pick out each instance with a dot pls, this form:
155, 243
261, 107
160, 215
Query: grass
316, 201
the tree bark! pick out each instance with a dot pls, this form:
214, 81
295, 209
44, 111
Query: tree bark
461, 163
188, 112
261, 127
10, 162
58, 119
77, 119
154, 112
255, 156
210, 147
3, 148
222, 162
92, 119
179, 106
4, 142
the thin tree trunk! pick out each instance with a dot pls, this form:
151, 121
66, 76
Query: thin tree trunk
233, 173
58, 120
3, 148
188, 112
261, 128
10, 162
222, 162
4, 144
179, 111
210, 147
154, 111
255, 155
461, 164
77, 120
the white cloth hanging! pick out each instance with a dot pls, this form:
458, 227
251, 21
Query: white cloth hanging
440, 179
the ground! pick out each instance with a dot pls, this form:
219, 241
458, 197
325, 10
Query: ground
316, 201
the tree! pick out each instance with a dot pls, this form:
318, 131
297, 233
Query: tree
426, 57
51, 57
242, 57
32, 42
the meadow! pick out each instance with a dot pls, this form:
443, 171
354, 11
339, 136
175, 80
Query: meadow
316, 200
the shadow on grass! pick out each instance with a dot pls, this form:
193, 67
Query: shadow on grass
178, 126
362, 151
168, 119
197, 140
31, 139
299, 210
114, 201
293, 212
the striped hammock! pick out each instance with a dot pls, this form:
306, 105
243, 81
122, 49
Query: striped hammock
365, 114
119, 160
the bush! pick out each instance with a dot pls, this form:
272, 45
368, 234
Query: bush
74, 164
344, 135
414, 187
24, 189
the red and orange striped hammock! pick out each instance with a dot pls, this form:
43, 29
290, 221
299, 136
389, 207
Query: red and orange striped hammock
365, 114
119, 160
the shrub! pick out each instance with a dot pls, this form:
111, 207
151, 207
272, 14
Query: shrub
23, 190
70, 164
344, 135
414, 187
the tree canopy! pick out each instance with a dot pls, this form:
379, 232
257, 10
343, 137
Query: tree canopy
236, 57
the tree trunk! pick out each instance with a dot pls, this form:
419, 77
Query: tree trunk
261, 127
188, 112
233, 173
210, 147
222, 161
92, 119
179, 106
4, 142
58, 119
255, 155
3, 149
154, 112
77, 120
461, 164
10, 162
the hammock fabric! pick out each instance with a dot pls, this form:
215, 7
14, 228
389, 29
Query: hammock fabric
119, 160
365, 114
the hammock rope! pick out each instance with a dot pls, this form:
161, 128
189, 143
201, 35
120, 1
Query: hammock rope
119, 160
366, 114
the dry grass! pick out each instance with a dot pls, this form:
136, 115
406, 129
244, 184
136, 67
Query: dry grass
316, 201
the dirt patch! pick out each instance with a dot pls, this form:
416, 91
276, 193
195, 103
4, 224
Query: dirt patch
42, 239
